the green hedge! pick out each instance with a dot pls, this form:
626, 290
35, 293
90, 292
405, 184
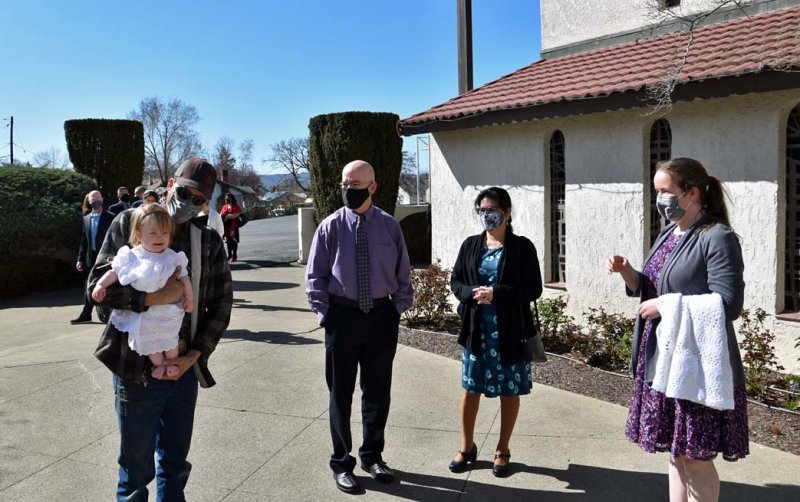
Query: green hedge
338, 138
110, 151
40, 229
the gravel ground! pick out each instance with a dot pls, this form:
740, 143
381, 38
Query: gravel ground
768, 426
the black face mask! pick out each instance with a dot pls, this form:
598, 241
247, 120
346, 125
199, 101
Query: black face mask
98, 204
354, 198
125, 198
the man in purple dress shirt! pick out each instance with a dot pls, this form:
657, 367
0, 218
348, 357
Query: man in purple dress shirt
358, 300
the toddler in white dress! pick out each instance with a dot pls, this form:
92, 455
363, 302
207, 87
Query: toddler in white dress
147, 266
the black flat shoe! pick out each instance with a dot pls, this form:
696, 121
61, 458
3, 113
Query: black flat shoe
468, 457
347, 483
501, 471
81, 319
379, 471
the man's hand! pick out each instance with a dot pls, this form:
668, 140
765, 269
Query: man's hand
172, 292
183, 363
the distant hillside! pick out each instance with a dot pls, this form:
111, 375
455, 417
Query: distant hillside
271, 180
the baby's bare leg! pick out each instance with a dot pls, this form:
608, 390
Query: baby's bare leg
157, 358
188, 294
172, 370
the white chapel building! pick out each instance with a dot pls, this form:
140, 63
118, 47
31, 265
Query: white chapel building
575, 136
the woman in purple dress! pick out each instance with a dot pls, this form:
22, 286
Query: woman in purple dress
696, 254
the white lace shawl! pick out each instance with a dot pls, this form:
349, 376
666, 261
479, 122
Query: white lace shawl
692, 358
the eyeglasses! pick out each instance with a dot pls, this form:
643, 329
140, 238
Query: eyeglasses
184, 193
356, 185
488, 210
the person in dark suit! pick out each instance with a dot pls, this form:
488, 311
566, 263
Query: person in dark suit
124, 201
95, 226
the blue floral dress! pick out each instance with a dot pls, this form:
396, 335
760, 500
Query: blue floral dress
484, 374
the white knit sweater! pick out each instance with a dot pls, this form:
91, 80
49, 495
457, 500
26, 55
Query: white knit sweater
692, 354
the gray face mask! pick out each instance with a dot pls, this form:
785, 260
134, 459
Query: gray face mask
491, 219
667, 205
181, 210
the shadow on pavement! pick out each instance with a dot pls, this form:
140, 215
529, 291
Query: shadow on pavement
248, 264
273, 337
63, 298
261, 285
589, 482
238, 303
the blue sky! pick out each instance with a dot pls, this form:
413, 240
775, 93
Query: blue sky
253, 69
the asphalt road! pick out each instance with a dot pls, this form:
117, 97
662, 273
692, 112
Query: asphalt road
269, 241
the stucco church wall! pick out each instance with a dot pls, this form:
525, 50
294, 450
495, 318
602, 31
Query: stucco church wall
737, 139
566, 22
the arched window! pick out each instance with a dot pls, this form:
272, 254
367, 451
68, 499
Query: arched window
792, 261
558, 255
660, 149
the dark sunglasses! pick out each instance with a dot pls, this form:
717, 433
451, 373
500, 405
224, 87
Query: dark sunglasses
488, 210
184, 193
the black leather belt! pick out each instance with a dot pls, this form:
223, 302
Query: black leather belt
347, 302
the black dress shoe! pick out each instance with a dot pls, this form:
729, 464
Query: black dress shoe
82, 319
501, 471
468, 457
379, 471
346, 482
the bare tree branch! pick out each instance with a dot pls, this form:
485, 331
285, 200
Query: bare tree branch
291, 155
169, 134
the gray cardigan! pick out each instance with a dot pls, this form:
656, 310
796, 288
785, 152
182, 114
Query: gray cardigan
706, 260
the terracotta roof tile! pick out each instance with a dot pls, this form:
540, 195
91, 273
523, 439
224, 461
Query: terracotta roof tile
747, 45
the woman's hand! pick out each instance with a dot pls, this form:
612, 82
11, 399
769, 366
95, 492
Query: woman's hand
649, 310
483, 295
617, 264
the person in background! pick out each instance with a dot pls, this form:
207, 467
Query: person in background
358, 282
214, 219
138, 196
150, 197
95, 225
696, 254
495, 278
86, 208
230, 211
124, 201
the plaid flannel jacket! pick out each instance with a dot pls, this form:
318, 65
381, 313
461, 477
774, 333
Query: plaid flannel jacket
214, 308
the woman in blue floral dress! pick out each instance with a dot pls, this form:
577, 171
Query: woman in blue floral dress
495, 278
695, 255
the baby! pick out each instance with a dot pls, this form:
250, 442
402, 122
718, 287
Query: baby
147, 266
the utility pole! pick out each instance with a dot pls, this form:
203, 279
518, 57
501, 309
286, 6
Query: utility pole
12, 140
464, 46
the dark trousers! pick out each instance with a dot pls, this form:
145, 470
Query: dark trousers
233, 245
354, 339
155, 418
102, 312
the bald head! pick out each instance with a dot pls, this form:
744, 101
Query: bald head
360, 170
358, 176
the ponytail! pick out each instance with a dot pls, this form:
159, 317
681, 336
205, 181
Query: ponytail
714, 201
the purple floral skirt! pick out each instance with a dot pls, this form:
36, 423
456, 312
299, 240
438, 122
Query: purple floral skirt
683, 428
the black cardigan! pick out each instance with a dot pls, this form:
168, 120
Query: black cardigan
519, 282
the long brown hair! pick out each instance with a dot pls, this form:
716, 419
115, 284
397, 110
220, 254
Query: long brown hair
689, 173
146, 213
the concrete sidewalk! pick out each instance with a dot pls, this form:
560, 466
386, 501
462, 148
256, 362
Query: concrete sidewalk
262, 432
